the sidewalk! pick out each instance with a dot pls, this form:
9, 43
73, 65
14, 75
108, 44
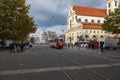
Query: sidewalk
109, 53
4, 51
7, 51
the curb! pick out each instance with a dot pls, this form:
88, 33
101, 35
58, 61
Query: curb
103, 54
115, 57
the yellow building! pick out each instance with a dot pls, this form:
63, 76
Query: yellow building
86, 22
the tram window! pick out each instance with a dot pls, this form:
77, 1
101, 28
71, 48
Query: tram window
61, 40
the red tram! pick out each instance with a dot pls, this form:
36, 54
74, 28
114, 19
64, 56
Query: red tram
57, 43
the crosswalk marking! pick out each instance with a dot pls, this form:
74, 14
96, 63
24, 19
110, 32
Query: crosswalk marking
11, 72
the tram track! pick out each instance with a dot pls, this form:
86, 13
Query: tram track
63, 70
77, 63
98, 54
85, 67
65, 73
80, 65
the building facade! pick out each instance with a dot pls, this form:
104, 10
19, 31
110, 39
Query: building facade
37, 36
86, 22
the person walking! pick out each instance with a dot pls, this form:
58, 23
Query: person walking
92, 44
11, 47
22, 47
101, 46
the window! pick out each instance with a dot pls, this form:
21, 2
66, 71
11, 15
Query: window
77, 33
109, 11
86, 20
79, 20
70, 24
98, 21
94, 31
115, 3
97, 31
101, 36
109, 5
86, 31
94, 36
90, 31
92, 20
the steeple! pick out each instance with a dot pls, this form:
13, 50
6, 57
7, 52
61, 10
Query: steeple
111, 5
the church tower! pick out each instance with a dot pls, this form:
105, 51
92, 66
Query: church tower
111, 5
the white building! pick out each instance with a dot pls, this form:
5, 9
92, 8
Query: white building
38, 38
87, 22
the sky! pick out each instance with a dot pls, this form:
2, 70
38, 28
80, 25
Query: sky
52, 14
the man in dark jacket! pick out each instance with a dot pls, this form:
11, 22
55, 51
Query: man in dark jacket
101, 46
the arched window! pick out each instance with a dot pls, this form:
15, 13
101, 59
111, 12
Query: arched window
109, 11
101, 36
115, 3
97, 31
86, 36
86, 20
98, 21
90, 31
92, 20
79, 20
94, 36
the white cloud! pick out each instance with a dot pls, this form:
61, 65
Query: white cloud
53, 13
59, 29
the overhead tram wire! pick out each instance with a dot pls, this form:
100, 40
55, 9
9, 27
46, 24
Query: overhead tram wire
59, 3
54, 13
92, 3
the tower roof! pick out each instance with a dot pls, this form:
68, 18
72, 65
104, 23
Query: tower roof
87, 11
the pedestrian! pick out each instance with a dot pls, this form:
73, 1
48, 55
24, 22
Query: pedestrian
92, 44
30, 45
11, 47
76, 44
18, 47
86, 45
101, 46
22, 47
68, 45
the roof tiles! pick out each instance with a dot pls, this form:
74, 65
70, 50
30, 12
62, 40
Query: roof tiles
87, 11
